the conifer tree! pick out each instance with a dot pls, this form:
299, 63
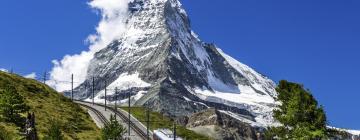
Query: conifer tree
11, 105
299, 113
113, 131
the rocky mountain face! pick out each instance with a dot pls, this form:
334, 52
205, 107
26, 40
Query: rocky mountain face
161, 63
221, 126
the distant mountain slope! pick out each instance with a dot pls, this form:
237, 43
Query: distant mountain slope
47, 104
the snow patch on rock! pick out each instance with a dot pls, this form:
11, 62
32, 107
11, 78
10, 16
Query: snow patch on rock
259, 82
123, 82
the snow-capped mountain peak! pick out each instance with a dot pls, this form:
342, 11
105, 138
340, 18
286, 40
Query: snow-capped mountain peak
163, 64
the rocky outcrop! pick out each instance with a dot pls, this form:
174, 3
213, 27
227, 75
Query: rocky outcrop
221, 126
342, 134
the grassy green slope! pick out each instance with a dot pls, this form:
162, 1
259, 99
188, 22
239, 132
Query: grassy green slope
48, 106
158, 120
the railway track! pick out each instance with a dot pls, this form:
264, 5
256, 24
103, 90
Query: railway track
140, 132
97, 113
134, 127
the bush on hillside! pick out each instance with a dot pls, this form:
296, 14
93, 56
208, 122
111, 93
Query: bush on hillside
54, 131
4, 135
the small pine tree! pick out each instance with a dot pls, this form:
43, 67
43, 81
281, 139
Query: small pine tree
299, 114
54, 131
11, 105
113, 130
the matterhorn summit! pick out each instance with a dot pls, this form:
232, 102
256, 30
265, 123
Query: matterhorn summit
162, 64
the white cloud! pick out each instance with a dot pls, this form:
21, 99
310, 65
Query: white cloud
3, 70
31, 76
111, 27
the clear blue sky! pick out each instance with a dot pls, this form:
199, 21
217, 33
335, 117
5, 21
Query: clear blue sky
316, 43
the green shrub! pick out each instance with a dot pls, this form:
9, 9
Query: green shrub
54, 131
4, 135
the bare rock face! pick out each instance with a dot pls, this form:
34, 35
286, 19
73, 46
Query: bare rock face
356, 137
343, 134
222, 126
